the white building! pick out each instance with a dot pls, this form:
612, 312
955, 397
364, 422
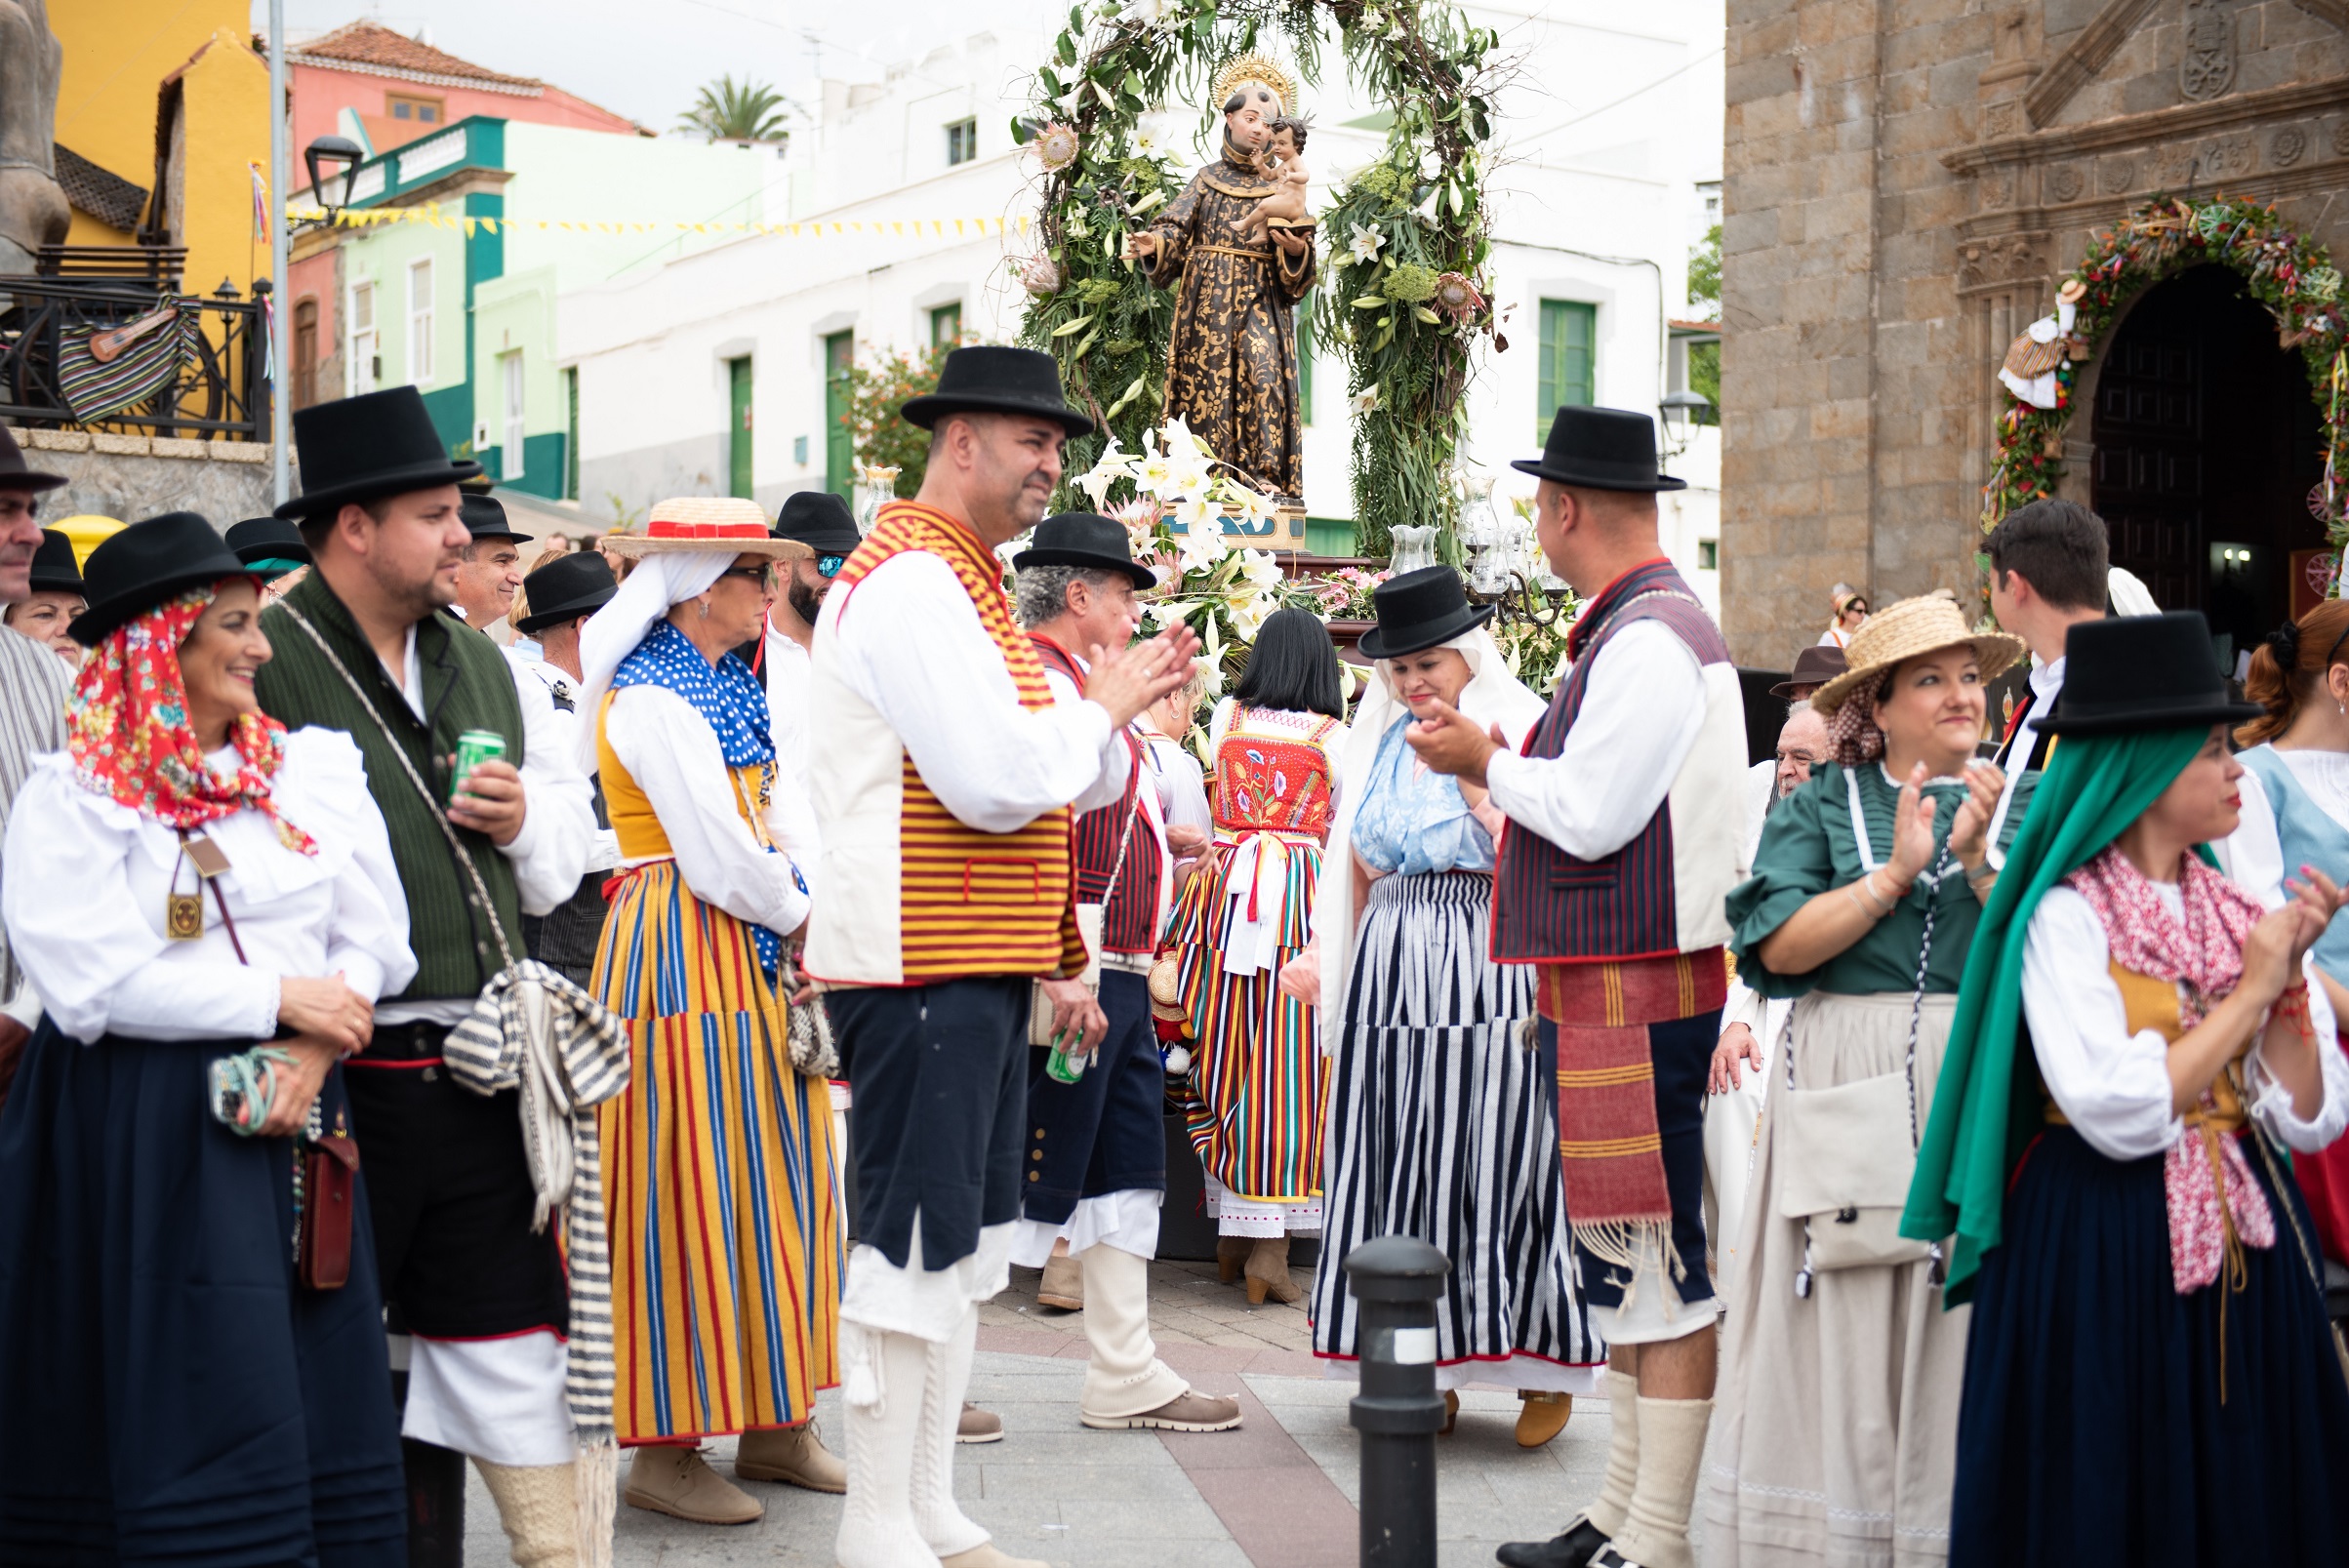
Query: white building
1609, 149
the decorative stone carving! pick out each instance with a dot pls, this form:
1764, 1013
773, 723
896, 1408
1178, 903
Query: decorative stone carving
2001, 261
1997, 186
2115, 176
2285, 147
2174, 166
2065, 183
2004, 118
2341, 139
2229, 158
2206, 68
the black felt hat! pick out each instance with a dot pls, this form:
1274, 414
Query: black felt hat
819, 520
1814, 667
2131, 673
1601, 448
16, 474
267, 539
998, 380
485, 517
147, 564
53, 570
576, 585
1081, 539
359, 449
1420, 610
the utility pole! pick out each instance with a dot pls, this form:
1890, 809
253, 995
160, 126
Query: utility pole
281, 328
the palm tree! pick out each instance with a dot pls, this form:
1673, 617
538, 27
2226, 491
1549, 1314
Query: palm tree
753, 111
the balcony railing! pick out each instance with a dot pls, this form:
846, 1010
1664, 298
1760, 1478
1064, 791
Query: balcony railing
218, 390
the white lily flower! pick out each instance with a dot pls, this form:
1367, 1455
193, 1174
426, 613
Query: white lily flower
1366, 400
1363, 243
1156, 474
1249, 616
1425, 212
1112, 466
1185, 447
1430, 164
1260, 568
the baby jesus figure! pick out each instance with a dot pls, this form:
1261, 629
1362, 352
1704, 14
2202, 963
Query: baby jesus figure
1279, 161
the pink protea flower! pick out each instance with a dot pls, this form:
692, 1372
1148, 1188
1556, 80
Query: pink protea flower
1457, 297
1039, 276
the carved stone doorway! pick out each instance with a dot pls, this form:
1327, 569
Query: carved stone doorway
2206, 445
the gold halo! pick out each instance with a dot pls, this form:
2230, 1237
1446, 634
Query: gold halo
1255, 67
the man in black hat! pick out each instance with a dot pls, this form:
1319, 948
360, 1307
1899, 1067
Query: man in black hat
490, 567
946, 890
32, 695
563, 593
1098, 1146
1626, 838
823, 522
272, 546
366, 643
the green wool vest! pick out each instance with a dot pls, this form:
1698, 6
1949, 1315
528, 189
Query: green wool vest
468, 685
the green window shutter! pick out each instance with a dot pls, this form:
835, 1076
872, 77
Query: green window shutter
1566, 361
946, 325
571, 425
839, 451
738, 426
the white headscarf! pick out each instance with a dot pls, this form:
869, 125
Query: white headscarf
1492, 695
612, 633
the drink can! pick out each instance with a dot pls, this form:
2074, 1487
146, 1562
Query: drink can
1062, 1064
474, 747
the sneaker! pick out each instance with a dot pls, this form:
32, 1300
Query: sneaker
976, 1426
1186, 1412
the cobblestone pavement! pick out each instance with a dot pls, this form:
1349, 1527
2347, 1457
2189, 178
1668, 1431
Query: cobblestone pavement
1278, 1493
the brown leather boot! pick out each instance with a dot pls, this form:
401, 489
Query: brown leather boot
1267, 1271
1542, 1415
1063, 1285
1231, 1255
793, 1455
679, 1482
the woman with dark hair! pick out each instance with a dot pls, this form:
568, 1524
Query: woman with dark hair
2299, 814
2150, 1379
1257, 1082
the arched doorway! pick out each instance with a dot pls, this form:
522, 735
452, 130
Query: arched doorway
2206, 445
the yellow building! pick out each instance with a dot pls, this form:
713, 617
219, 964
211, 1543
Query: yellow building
153, 93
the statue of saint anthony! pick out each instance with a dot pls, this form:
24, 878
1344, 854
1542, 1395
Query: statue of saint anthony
1231, 369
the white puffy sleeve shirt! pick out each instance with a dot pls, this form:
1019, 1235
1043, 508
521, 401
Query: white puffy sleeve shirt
910, 644
88, 879
2113, 1085
672, 752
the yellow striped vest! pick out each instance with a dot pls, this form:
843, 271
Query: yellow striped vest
909, 894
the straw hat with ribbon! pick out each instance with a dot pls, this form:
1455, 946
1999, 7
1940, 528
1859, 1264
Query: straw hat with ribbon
1903, 631
706, 523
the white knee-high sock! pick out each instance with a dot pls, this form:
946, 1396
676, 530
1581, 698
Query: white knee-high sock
940, 1521
886, 1375
1123, 1375
1614, 1504
1672, 1451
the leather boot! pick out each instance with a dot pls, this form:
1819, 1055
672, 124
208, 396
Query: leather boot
793, 1455
1063, 1285
881, 1404
1231, 1255
679, 1482
1267, 1271
1542, 1415
1672, 1453
539, 1508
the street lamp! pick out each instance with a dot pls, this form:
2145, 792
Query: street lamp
1680, 410
331, 160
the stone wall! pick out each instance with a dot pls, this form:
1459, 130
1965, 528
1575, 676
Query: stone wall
1905, 180
129, 478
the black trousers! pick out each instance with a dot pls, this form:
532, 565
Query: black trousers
449, 1190
936, 1075
1106, 1132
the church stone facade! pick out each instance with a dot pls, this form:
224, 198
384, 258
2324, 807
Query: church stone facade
1906, 183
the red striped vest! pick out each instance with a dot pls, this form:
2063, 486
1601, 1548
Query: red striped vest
1129, 912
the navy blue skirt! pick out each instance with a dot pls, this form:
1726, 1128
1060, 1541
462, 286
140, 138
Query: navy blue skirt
2093, 1431
168, 1392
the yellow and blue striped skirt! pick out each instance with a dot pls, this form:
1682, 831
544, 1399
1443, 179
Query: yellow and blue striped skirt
721, 1185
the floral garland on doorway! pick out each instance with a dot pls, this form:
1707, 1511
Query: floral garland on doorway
1403, 248
2290, 274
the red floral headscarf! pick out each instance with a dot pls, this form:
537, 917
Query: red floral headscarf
131, 740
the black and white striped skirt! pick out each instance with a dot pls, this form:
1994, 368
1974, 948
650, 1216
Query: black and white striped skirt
1443, 1125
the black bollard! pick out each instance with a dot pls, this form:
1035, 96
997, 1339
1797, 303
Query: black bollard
435, 1477
1398, 1411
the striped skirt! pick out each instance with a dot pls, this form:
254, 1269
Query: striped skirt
1443, 1126
721, 1183
1258, 1083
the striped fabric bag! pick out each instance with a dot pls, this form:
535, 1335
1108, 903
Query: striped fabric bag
103, 370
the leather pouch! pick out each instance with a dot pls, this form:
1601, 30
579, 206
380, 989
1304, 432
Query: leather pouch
330, 1193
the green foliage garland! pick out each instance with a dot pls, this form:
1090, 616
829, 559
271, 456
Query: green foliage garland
2290, 274
1405, 310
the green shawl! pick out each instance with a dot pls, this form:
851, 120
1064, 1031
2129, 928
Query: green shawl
1985, 1111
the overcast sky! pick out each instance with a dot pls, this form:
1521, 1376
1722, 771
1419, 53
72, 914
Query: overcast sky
645, 60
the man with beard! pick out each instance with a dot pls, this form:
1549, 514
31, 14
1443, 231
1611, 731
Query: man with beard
366, 645
946, 893
822, 521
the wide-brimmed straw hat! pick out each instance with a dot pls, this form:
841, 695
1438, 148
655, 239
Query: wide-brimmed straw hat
729, 523
1904, 631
